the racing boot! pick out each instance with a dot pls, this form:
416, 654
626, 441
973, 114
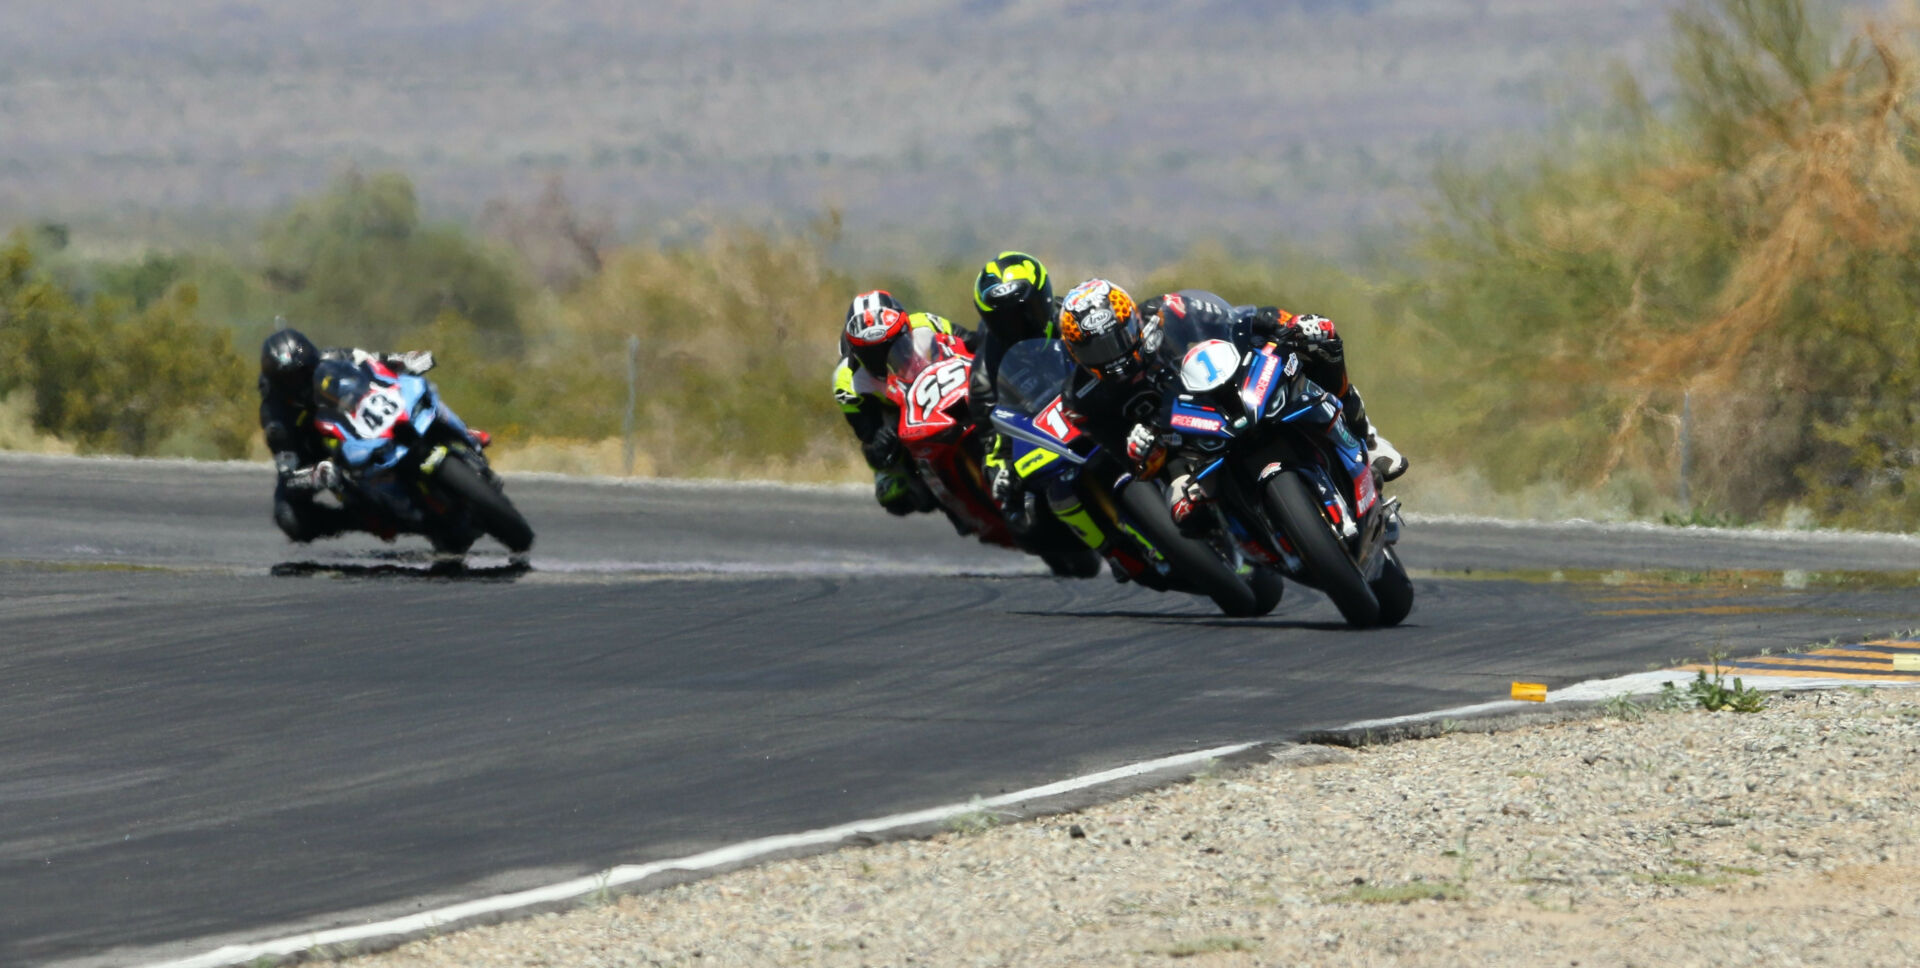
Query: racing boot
304, 520
893, 489
1386, 458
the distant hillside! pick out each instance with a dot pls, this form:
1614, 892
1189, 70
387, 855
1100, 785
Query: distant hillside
946, 125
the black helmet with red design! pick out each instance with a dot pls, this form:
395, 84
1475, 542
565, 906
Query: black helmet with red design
1105, 332
874, 320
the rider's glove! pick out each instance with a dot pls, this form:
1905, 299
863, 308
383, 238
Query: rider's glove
1141, 443
882, 449
415, 362
324, 476
1314, 329
1317, 337
1002, 482
1187, 494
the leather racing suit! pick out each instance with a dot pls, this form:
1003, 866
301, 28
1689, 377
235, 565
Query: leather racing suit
862, 399
286, 419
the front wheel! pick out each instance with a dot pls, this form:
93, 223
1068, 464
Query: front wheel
1292, 501
1393, 589
1193, 561
495, 514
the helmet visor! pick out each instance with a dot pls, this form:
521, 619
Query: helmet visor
873, 359
1099, 351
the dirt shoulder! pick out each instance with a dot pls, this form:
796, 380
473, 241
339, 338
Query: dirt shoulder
1784, 837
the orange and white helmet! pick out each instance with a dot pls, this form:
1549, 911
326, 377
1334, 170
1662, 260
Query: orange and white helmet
1104, 330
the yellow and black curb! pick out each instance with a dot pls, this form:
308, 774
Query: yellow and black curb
1882, 660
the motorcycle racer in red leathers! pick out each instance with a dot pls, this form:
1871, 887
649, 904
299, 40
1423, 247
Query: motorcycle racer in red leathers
874, 321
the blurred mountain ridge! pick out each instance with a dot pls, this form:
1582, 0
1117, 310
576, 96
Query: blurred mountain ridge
1124, 128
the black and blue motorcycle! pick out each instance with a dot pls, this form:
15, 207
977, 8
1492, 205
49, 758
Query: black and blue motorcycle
409, 460
1294, 486
1136, 534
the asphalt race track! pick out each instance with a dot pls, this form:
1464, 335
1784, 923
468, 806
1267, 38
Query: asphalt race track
212, 735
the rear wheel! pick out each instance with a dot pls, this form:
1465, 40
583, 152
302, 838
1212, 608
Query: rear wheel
495, 514
1194, 563
1049, 539
1393, 589
1267, 587
1081, 562
1292, 501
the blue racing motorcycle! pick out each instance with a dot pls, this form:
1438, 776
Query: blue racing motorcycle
1090, 489
1295, 489
409, 460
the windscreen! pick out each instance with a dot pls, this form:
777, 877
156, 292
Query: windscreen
914, 351
1032, 373
339, 385
1205, 317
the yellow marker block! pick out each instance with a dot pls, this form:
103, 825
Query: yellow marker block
1530, 691
1906, 663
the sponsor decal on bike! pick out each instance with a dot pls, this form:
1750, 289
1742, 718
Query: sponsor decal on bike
1364, 493
1175, 304
1259, 382
1268, 471
1033, 460
1191, 422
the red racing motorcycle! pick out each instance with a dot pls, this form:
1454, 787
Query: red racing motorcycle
927, 382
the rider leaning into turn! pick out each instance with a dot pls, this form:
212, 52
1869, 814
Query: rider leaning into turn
874, 321
1118, 393
300, 454
1015, 301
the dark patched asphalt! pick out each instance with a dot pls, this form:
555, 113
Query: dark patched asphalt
197, 749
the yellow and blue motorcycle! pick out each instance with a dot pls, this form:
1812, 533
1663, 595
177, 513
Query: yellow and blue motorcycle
1092, 491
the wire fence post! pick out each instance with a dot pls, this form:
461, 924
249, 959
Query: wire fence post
633, 397
1686, 449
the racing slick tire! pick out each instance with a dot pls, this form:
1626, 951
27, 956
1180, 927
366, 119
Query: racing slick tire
1393, 589
490, 508
1290, 499
1195, 564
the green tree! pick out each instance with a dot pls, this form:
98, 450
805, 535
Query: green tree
355, 264
111, 378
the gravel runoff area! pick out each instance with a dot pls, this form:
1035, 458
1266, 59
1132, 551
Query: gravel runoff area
1644, 837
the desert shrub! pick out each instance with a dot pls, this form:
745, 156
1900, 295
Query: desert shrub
357, 260
107, 376
1751, 246
738, 339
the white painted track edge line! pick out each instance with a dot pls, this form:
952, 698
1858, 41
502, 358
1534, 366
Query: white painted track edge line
452, 915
